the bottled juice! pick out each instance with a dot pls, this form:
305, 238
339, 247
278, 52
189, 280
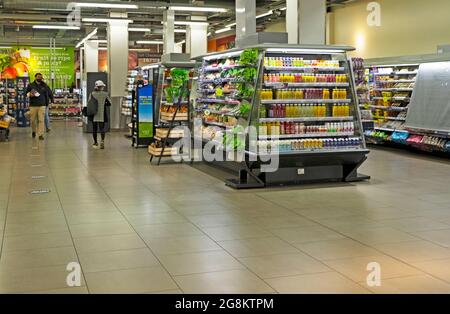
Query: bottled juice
263, 129
326, 94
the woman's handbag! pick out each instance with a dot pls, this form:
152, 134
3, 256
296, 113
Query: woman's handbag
92, 107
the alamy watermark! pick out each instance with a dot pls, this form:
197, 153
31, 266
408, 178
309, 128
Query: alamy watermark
374, 17
74, 16
233, 144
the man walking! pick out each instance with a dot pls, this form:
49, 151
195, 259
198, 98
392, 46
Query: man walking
40, 97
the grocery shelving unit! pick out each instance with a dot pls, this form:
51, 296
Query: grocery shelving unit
361, 75
66, 106
172, 113
299, 103
127, 103
392, 88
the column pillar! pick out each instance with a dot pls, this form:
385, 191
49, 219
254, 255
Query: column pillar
245, 20
292, 21
312, 21
169, 31
197, 37
306, 21
91, 56
117, 31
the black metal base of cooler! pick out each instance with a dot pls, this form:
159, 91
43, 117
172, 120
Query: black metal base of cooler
304, 169
317, 167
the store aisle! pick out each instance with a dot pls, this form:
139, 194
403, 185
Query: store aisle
136, 228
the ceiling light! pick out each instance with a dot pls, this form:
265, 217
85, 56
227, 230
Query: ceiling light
139, 29
181, 42
3, 47
198, 9
97, 20
100, 41
150, 42
303, 51
264, 14
180, 31
106, 5
223, 30
49, 48
89, 36
223, 55
283, 9
55, 27
139, 49
190, 23
230, 25
102, 48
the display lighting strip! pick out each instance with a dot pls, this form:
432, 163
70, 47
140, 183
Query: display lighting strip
89, 36
303, 51
220, 56
139, 29
198, 9
397, 65
150, 42
223, 30
258, 16
106, 5
190, 23
99, 20
148, 67
55, 27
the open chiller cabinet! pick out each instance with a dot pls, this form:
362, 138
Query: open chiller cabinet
280, 115
172, 117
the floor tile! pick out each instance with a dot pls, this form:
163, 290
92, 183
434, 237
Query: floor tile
188, 244
37, 258
155, 218
437, 268
139, 280
37, 241
236, 232
232, 281
330, 282
94, 217
415, 251
108, 243
203, 262
100, 229
440, 237
30, 280
292, 264
355, 268
168, 230
306, 234
257, 247
335, 249
413, 285
117, 260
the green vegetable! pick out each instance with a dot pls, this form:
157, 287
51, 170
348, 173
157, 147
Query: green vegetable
232, 140
244, 109
249, 57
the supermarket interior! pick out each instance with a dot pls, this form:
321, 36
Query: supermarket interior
245, 147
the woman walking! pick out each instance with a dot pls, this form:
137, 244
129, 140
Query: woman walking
100, 119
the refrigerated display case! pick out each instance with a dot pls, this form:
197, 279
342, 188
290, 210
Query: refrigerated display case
171, 109
296, 104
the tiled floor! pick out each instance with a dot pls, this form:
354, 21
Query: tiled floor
137, 228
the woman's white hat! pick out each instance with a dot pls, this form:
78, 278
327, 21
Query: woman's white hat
99, 84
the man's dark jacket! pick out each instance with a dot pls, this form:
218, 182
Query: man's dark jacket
45, 94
